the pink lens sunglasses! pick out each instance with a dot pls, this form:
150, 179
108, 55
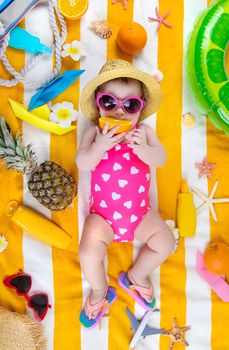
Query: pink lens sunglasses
130, 105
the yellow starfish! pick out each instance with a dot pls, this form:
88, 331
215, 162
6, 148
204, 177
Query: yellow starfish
124, 3
176, 334
209, 201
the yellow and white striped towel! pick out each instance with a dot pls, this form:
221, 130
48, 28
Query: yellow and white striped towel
179, 290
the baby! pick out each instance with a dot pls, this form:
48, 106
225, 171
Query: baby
120, 181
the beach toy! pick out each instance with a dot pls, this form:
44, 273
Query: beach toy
124, 125
73, 9
12, 12
216, 258
37, 226
131, 37
39, 117
206, 63
186, 211
23, 40
54, 88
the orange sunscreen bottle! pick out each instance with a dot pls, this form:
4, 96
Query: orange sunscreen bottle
38, 226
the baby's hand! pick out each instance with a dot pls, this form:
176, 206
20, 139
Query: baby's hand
138, 141
106, 139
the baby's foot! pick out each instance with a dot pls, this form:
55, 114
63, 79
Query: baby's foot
95, 297
141, 282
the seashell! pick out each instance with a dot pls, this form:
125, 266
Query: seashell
189, 120
101, 28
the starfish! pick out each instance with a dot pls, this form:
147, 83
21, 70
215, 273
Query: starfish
124, 3
160, 19
209, 201
176, 334
205, 168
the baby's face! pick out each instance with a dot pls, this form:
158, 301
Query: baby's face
121, 90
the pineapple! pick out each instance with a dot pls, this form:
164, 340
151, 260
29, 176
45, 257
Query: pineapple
48, 182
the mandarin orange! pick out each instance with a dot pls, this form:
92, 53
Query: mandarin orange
131, 37
216, 258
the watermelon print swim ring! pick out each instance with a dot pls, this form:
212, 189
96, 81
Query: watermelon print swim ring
206, 63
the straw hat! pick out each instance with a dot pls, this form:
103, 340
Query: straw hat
116, 69
20, 332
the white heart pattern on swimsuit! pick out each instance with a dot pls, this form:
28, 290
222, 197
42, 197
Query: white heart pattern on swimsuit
122, 183
105, 177
117, 166
115, 196
97, 188
126, 156
141, 189
117, 147
148, 177
133, 218
128, 204
117, 215
122, 230
103, 204
134, 170
143, 203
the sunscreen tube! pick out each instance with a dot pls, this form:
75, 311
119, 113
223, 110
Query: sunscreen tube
37, 225
23, 40
186, 211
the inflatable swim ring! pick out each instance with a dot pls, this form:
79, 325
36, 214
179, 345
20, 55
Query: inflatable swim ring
206, 63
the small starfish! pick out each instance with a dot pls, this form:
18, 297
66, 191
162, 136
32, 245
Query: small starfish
209, 201
160, 19
205, 168
176, 334
124, 3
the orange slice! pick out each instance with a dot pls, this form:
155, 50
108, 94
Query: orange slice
124, 125
73, 9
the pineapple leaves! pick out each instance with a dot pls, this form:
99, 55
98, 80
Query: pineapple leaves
6, 135
14, 154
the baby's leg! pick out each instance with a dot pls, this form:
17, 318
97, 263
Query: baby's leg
97, 234
159, 245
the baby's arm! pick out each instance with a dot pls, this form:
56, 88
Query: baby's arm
94, 144
147, 147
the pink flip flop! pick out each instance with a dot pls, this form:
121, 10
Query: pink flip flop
133, 290
104, 305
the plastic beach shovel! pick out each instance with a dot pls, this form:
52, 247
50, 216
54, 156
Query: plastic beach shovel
54, 88
216, 282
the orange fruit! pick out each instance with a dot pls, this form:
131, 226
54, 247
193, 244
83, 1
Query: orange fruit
125, 125
73, 9
216, 258
131, 37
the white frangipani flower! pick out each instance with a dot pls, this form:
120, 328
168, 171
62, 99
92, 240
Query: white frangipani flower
74, 49
3, 243
63, 113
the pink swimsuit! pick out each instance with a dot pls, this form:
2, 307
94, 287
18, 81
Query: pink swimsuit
119, 191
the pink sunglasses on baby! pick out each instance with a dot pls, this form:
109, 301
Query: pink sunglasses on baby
130, 105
